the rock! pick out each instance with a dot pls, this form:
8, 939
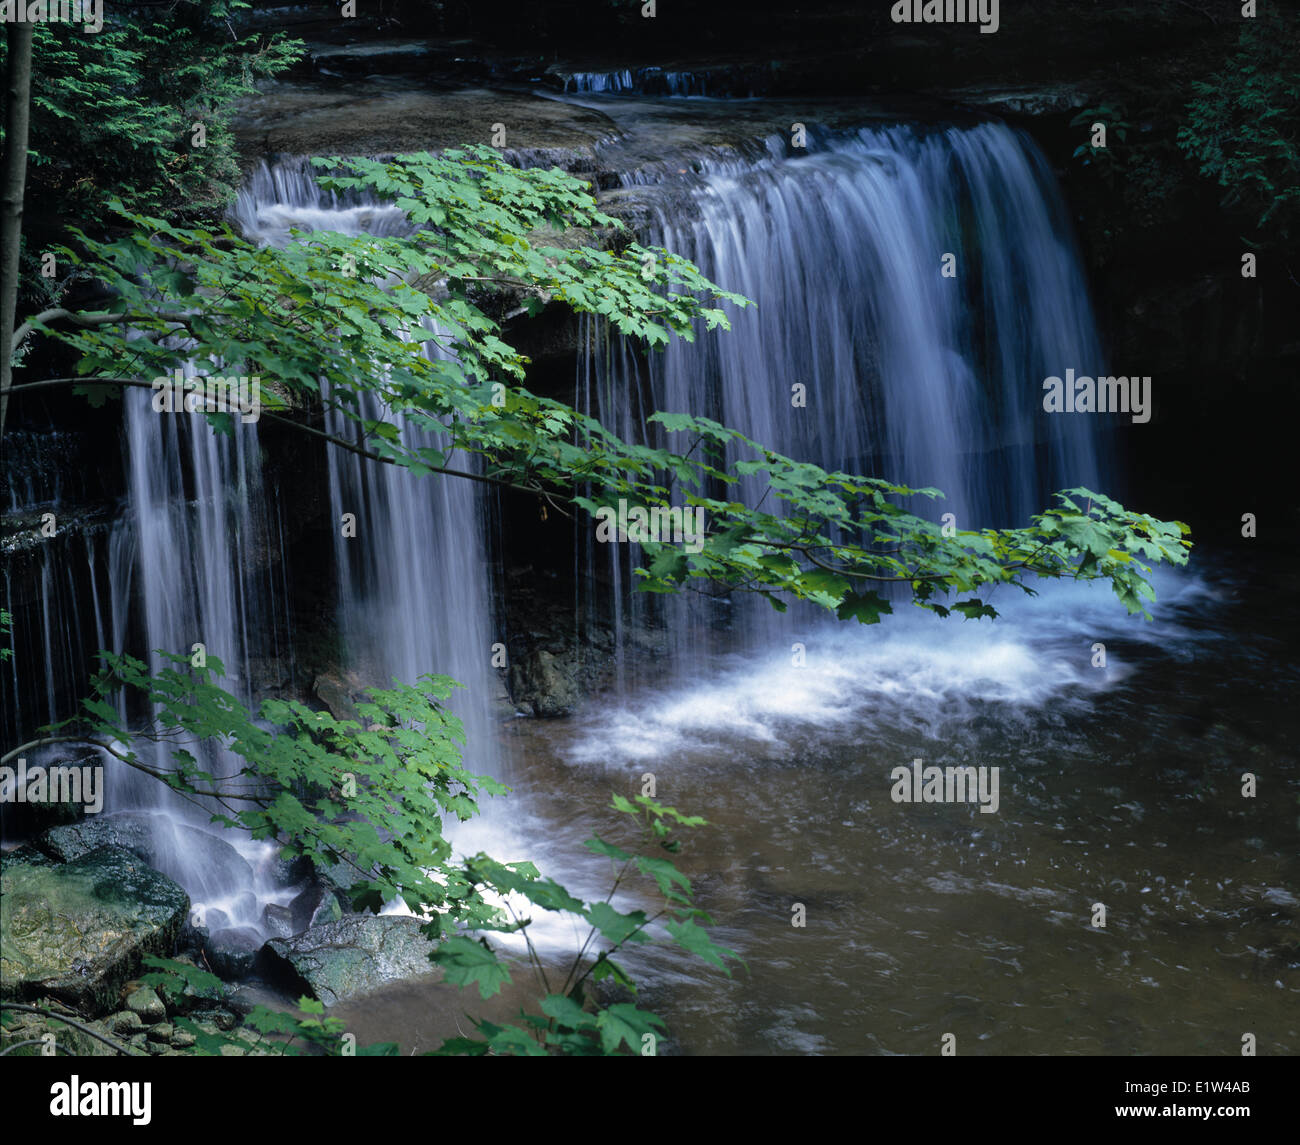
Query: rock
157, 1049
78, 931
292, 871
24, 856
546, 683
315, 906
162, 1032
336, 693
354, 955
214, 918
126, 1022
193, 939
224, 1020
68, 1042
278, 920
308, 122
232, 952
208, 865
182, 1039
145, 1004
247, 996
132, 831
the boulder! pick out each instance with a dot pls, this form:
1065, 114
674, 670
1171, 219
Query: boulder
125, 1023
232, 952
208, 865
314, 906
339, 694
145, 1006
546, 683
354, 955
78, 931
131, 830
278, 920
291, 871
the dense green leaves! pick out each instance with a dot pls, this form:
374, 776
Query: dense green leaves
1241, 126
317, 333
371, 797
122, 104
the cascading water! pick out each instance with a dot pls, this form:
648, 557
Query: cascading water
196, 560
414, 575
923, 378
194, 557
905, 372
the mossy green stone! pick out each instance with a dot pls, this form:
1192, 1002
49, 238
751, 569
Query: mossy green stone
79, 930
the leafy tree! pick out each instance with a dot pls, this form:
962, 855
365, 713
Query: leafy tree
369, 798
122, 103
1241, 127
331, 320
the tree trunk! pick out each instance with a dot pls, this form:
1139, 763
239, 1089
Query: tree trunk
13, 178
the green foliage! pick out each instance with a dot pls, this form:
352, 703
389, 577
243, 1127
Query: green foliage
120, 104
264, 1032
370, 796
319, 333
571, 1020
373, 796
1241, 126
1117, 129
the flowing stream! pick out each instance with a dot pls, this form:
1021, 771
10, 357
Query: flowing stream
920, 919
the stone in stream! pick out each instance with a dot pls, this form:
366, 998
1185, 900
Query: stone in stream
78, 931
292, 871
355, 955
232, 952
314, 906
278, 920
145, 1006
158, 840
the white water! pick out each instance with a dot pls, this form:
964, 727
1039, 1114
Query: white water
923, 379
913, 670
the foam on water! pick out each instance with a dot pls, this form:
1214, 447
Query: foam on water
913, 667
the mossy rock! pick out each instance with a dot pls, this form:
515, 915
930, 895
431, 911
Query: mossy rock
77, 932
355, 955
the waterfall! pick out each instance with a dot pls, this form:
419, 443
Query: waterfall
911, 375
196, 559
646, 81
415, 576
